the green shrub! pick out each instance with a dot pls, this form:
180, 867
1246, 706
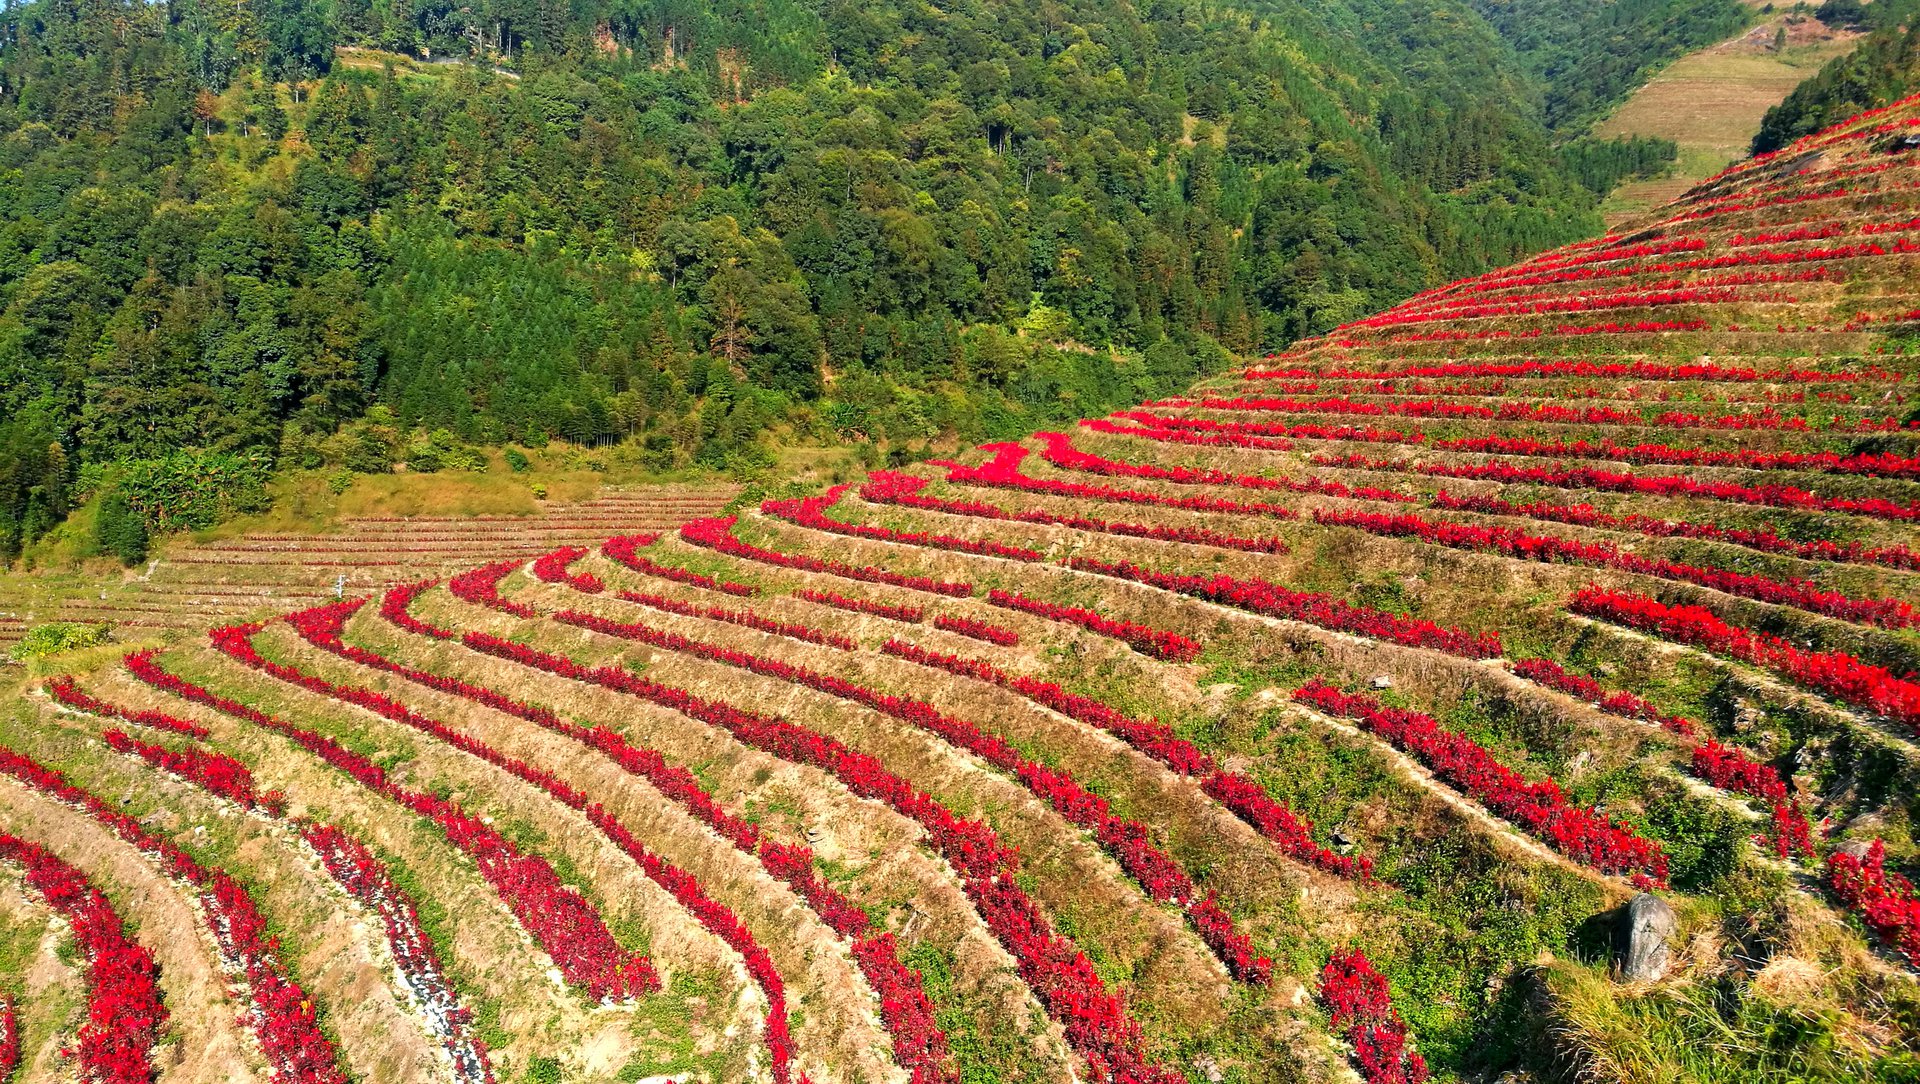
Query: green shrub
120, 530
340, 482
517, 461
53, 637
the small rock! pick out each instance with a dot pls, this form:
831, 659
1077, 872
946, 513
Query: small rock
1854, 848
1642, 938
1209, 1068
1382, 681
1341, 840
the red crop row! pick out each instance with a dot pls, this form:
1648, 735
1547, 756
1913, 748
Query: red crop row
1239, 793
1637, 370
1724, 766
979, 630
681, 885
1885, 901
811, 512
1776, 496
1513, 542
1157, 643
1003, 472
743, 618
552, 567
717, 534
1549, 413
1764, 540
1638, 327
1059, 450
919, 1044
482, 585
626, 550
282, 1017
1730, 768
365, 878
1872, 464
1305, 431
1361, 1006
564, 923
1648, 299
124, 1013
909, 614
351, 864
1260, 596
893, 487
1126, 840
1540, 808
1834, 673
67, 691
9, 1038
1185, 436
1613, 702
215, 772
1095, 1021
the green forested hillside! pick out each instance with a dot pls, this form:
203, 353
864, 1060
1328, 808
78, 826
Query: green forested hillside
1885, 66
1591, 53
687, 224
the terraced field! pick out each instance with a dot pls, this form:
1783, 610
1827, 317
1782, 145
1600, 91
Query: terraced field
1325, 721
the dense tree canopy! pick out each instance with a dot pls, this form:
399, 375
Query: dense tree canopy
238, 226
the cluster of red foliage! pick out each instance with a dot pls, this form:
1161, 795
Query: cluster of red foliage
1246, 798
1187, 436
743, 618
1835, 673
1513, 542
1263, 597
1147, 640
564, 923
552, 567
909, 614
1885, 901
283, 1017
1643, 327
893, 487
1870, 464
1540, 808
1126, 840
1095, 1021
1361, 1006
919, 1044
979, 630
626, 550
1635, 299
482, 585
124, 1013
1664, 485
717, 534
1730, 768
811, 512
1585, 515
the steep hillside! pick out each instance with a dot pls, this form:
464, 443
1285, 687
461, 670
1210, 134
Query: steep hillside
1330, 717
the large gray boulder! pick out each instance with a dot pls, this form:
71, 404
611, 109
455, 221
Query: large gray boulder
1643, 939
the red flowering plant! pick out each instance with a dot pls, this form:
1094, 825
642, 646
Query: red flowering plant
1156, 643
716, 533
626, 550
1884, 900
1361, 1008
